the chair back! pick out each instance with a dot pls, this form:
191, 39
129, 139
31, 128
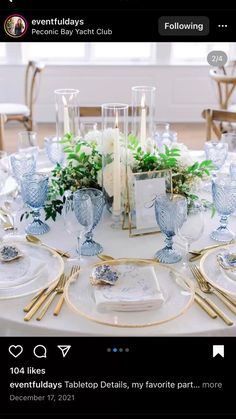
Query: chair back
32, 79
214, 121
226, 83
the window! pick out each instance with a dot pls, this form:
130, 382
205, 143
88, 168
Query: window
196, 52
118, 53
52, 51
131, 51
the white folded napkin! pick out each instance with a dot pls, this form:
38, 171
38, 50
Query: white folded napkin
137, 289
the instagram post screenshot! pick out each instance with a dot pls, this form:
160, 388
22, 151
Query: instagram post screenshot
117, 210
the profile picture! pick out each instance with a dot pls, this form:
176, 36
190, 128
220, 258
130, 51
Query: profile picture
15, 26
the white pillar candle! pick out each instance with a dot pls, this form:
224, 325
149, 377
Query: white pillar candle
116, 171
66, 117
143, 122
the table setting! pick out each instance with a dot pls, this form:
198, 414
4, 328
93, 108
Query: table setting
113, 232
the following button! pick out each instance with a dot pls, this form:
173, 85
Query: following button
183, 25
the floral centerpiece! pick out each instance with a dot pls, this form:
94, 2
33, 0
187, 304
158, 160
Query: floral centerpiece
84, 168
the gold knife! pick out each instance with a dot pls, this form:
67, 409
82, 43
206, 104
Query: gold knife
40, 301
205, 306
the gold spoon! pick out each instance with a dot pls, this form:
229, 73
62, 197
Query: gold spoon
105, 257
36, 240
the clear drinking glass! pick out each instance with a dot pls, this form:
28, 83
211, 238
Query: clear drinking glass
55, 150
217, 152
28, 142
78, 218
224, 199
163, 135
89, 246
171, 212
34, 190
193, 226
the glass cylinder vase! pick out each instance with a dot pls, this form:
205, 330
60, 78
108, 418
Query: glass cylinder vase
143, 115
114, 140
67, 112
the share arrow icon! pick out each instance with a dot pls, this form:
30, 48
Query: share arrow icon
64, 349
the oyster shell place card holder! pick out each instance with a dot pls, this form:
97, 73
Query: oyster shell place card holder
9, 253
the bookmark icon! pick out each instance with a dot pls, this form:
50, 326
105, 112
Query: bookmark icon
64, 349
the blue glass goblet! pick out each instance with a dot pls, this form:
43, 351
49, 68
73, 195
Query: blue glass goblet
224, 198
90, 247
22, 164
171, 212
55, 150
217, 152
34, 189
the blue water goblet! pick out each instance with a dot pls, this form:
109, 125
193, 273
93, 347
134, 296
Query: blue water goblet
224, 199
171, 212
34, 189
217, 152
55, 150
89, 246
22, 164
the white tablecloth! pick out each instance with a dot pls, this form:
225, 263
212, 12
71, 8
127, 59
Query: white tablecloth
195, 322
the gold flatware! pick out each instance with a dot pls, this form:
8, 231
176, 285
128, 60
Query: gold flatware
5, 222
213, 246
40, 300
195, 257
218, 311
207, 288
36, 240
105, 257
201, 300
62, 299
203, 303
58, 290
28, 307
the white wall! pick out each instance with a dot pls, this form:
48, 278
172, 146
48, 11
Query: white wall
182, 91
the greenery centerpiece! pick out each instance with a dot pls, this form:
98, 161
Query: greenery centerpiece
84, 167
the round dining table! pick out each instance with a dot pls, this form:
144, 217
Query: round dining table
116, 243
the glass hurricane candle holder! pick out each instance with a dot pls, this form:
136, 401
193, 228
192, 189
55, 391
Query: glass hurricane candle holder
114, 140
67, 112
143, 113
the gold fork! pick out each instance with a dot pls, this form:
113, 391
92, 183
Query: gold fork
197, 275
207, 288
62, 298
58, 290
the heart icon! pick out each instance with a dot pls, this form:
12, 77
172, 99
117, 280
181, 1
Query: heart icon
15, 350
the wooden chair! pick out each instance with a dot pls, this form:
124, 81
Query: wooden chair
95, 111
2, 123
215, 120
24, 112
226, 83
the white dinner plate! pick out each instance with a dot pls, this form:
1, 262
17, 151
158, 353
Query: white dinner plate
38, 268
215, 274
79, 294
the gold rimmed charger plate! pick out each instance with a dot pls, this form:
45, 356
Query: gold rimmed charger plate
178, 297
214, 274
52, 268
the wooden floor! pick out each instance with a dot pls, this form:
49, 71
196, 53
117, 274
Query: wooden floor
191, 134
